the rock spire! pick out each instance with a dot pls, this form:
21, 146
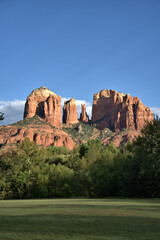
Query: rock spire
70, 112
83, 116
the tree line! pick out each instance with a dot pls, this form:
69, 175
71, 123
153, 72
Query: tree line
90, 170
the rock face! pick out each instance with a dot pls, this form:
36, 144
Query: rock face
118, 111
46, 104
83, 116
43, 135
70, 112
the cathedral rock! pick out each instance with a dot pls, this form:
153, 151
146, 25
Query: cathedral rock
111, 109
116, 110
70, 112
46, 104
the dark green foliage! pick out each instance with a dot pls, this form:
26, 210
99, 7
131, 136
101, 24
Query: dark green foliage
1, 116
34, 120
90, 170
147, 154
58, 155
102, 173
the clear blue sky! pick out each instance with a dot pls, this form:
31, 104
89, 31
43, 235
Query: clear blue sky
78, 47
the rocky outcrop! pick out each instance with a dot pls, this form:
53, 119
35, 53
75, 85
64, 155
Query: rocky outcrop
43, 135
83, 116
70, 112
118, 111
46, 104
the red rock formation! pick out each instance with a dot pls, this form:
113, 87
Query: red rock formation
46, 104
117, 111
110, 110
43, 135
83, 116
70, 112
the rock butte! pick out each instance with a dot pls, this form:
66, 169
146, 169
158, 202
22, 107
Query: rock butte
46, 104
115, 110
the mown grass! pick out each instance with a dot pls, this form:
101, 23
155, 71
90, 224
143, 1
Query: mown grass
80, 219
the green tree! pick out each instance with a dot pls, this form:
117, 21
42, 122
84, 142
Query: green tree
88, 153
1, 116
147, 153
20, 168
126, 169
102, 172
60, 179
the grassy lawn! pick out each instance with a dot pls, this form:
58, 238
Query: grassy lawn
76, 219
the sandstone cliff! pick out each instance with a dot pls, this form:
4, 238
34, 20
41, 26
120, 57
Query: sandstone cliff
70, 112
115, 110
46, 104
36, 130
83, 116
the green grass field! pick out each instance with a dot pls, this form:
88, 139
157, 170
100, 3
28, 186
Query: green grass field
76, 219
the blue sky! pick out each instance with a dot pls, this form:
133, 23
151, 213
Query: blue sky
78, 47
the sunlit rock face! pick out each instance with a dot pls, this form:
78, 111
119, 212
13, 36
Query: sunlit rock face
83, 116
116, 110
43, 135
70, 112
46, 104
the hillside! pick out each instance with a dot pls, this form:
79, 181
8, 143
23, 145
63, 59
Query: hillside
69, 136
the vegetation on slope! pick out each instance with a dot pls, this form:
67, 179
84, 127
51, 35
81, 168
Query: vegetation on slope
85, 131
35, 120
81, 131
